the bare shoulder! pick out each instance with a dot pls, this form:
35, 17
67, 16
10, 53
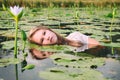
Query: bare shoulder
92, 43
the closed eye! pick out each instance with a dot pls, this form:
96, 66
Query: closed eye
44, 32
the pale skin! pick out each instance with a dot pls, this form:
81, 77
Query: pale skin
41, 54
47, 37
44, 37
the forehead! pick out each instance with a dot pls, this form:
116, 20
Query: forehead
37, 36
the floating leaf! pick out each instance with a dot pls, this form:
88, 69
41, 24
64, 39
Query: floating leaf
69, 60
8, 61
71, 74
10, 46
28, 67
112, 44
56, 71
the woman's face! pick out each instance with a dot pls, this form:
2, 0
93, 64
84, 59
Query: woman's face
44, 37
41, 54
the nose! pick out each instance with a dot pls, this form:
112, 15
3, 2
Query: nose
47, 37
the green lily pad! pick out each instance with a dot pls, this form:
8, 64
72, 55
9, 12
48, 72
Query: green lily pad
111, 44
61, 73
8, 61
75, 61
9, 44
71, 67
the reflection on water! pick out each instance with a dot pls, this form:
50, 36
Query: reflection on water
37, 54
99, 51
41, 61
102, 51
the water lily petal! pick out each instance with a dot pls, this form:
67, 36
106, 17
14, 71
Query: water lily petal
11, 8
16, 10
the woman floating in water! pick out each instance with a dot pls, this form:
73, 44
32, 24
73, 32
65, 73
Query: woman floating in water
42, 35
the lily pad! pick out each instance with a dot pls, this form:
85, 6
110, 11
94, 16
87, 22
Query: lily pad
9, 44
111, 44
8, 61
61, 73
72, 67
75, 61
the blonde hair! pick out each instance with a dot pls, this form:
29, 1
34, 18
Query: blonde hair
61, 40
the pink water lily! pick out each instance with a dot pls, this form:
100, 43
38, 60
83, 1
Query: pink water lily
16, 10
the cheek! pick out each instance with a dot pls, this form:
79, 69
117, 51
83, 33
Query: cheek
46, 42
55, 38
